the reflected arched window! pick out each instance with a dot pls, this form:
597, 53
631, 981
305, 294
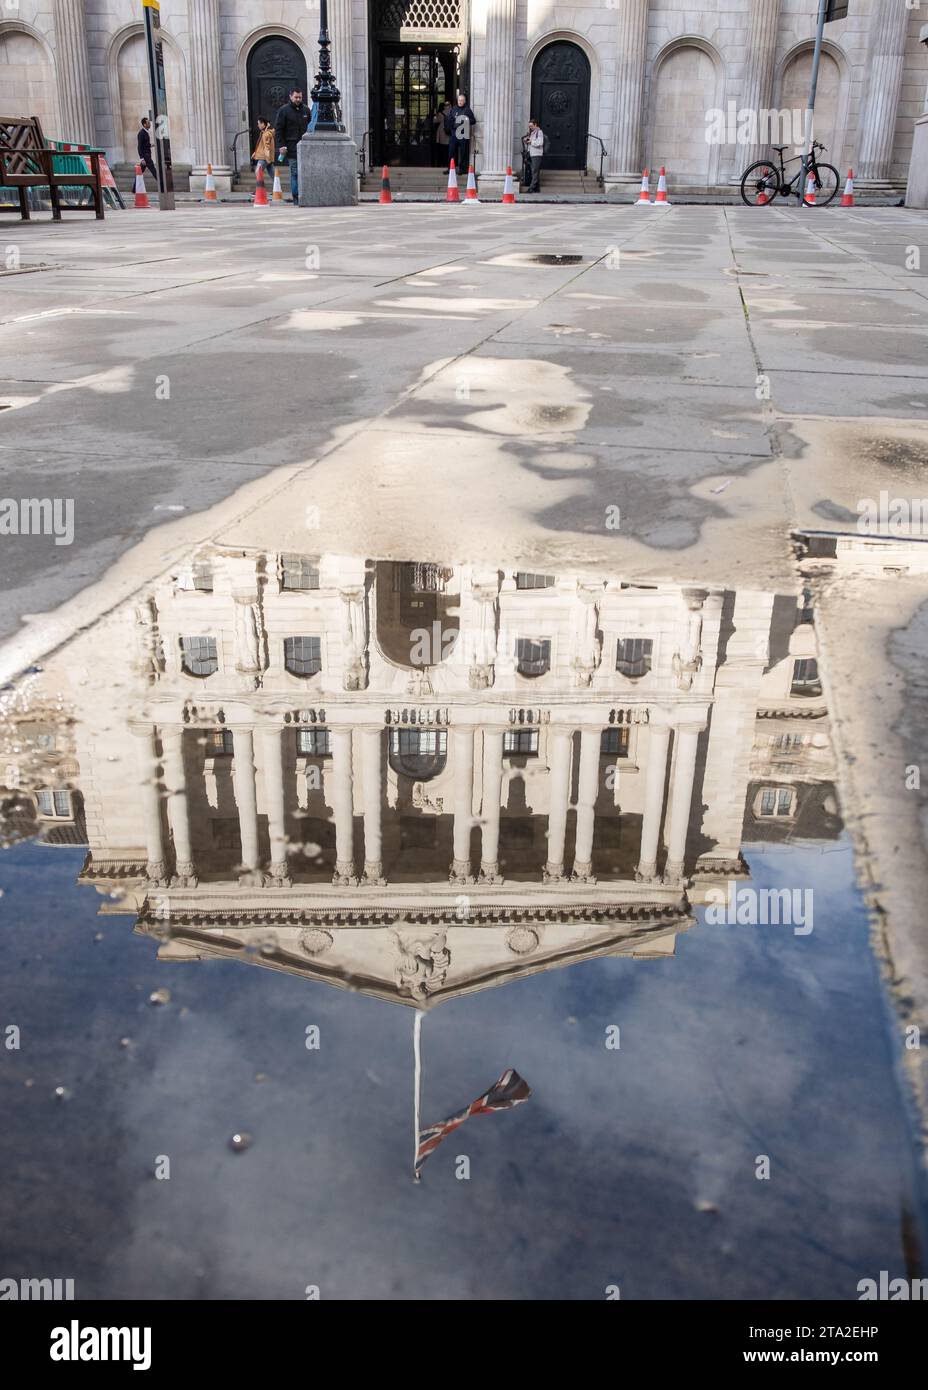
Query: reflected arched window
633, 656
805, 677
418, 753
303, 655
532, 658
200, 655
298, 572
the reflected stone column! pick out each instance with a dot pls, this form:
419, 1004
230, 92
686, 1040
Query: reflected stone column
372, 778
655, 776
587, 792
631, 45
462, 746
559, 741
172, 741
492, 796
886, 61
343, 796
205, 49
150, 795
72, 73
681, 799
272, 771
499, 102
757, 90
246, 799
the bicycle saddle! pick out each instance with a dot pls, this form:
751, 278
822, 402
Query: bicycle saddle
779, 148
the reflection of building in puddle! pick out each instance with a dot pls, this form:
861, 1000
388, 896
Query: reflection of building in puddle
421, 780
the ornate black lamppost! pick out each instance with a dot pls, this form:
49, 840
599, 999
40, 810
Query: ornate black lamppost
324, 91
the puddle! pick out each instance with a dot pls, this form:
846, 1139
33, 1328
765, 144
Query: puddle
583, 829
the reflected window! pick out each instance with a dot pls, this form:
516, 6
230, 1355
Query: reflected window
298, 572
615, 742
203, 576
776, 801
805, 677
314, 743
418, 753
532, 658
534, 581
54, 803
785, 743
303, 655
520, 743
219, 743
633, 656
417, 578
200, 655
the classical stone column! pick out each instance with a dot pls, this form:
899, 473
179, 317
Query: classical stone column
462, 752
72, 72
681, 799
175, 780
631, 43
246, 799
272, 771
340, 15
150, 797
492, 796
559, 741
499, 104
655, 776
757, 89
343, 795
917, 191
372, 780
209, 136
885, 62
587, 792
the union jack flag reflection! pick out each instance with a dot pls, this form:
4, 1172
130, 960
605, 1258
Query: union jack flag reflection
510, 1090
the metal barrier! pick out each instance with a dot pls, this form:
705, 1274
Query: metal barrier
603, 156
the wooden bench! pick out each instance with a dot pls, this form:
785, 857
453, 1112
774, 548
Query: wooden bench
26, 162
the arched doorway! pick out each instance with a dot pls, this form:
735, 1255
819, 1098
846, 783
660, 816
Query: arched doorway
561, 102
135, 99
275, 66
27, 80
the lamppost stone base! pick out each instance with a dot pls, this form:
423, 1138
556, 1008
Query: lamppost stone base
327, 163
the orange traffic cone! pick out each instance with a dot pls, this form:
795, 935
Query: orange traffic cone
261, 198
471, 194
847, 200
278, 193
509, 195
209, 188
810, 191
141, 197
385, 195
661, 196
762, 199
644, 200
452, 196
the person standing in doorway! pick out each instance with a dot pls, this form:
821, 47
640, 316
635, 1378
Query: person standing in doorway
442, 135
289, 129
536, 153
460, 123
263, 152
144, 144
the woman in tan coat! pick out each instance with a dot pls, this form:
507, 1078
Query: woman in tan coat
264, 152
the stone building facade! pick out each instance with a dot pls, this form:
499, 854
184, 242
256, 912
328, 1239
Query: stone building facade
641, 76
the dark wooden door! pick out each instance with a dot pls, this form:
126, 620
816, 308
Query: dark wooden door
561, 103
275, 67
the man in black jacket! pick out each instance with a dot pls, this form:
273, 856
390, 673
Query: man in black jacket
144, 143
289, 129
459, 123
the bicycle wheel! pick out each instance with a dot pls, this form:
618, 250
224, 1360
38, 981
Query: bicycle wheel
760, 184
826, 184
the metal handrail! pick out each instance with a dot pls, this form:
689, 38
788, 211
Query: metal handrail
603, 156
234, 149
363, 155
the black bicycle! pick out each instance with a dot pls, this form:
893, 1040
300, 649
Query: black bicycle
763, 182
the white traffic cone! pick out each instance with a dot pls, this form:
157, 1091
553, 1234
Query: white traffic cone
141, 197
470, 195
810, 191
277, 195
509, 192
209, 188
847, 198
661, 198
644, 199
452, 196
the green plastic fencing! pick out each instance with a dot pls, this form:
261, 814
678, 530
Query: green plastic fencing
72, 195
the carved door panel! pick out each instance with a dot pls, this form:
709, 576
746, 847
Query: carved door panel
561, 102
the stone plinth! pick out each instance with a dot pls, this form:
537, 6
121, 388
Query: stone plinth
328, 170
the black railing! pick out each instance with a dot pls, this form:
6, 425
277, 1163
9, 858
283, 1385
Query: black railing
603, 156
364, 154
234, 149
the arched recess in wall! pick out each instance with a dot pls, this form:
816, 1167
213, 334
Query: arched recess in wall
686, 83
130, 94
562, 52
831, 101
27, 76
254, 90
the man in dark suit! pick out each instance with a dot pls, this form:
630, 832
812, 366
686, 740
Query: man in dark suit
144, 144
289, 129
